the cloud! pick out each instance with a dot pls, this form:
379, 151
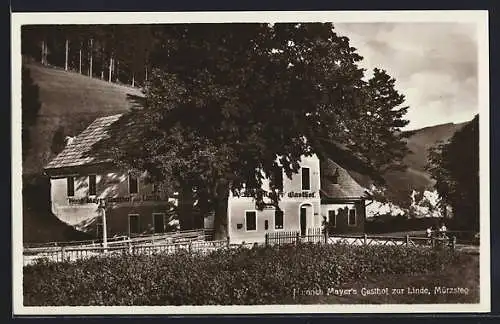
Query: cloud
435, 65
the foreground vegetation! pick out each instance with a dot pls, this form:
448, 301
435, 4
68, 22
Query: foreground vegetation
308, 273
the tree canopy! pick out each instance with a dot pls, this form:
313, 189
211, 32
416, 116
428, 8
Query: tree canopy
227, 105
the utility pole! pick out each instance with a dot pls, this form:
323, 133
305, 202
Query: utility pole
102, 206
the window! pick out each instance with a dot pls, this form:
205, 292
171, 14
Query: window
251, 220
133, 224
352, 217
277, 179
70, 186
306, 181
278, 219
332, 218
92, 185
132, 184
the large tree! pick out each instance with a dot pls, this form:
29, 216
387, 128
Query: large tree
455, 167
230, 104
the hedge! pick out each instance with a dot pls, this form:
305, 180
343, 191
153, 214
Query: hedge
261, 275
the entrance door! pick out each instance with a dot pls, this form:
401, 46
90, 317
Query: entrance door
306, 218
303, 220
159, 223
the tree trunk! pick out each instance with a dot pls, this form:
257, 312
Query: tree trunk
42, 53
116, 69
110, 68
91, 52
80, 59
133, 79
220, 220
146, 75
66, 56
186, 208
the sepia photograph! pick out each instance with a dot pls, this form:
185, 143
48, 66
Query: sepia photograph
248, 162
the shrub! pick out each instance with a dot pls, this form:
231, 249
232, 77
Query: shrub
261, 275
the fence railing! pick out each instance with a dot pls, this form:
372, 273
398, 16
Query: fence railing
65, 253
188, 235
313, 235
394, 240
316, 235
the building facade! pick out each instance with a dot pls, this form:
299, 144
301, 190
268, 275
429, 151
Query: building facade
307, 200
80, 178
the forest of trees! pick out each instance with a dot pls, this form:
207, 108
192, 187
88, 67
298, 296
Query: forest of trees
116, 53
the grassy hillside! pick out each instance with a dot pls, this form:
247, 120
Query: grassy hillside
401, 183
69, 103
422, 139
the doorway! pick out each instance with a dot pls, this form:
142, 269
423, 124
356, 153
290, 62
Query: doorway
159, 222
305, 218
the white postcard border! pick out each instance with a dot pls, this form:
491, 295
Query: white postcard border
480, 17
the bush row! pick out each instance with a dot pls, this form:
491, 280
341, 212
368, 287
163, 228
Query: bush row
261, 275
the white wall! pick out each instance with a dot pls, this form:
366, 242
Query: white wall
108, 184
237, 206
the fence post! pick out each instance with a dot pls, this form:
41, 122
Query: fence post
453, 242
326, 235
190, 246
297, 238
407, 240
267, 239
63, 250
227, 241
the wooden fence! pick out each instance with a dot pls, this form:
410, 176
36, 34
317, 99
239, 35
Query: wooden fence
406, 240
196, 244
314, 235
169, 237
65, 253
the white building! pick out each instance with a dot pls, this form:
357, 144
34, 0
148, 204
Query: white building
80, 176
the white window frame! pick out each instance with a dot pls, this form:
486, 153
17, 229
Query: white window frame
256, 222
88, 177
279, 229
128, 220
349, 217
128, 183
153, 216
301, 184
334, 216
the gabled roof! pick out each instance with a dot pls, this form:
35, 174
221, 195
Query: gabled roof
337, 183
80, 151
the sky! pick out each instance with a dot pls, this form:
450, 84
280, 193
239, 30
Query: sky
435, 66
